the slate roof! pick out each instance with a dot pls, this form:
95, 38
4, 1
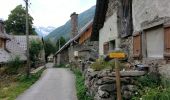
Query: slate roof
76, 37
11, 51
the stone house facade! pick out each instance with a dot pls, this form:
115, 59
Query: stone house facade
79, 48
140, 28
9, 49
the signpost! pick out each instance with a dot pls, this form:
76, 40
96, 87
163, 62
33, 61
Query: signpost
117, 56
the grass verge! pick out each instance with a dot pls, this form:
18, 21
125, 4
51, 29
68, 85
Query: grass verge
18, 86
80, 87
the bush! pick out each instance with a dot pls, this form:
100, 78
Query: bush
14, 65
153, 87
158, 93
100, 64
150, 80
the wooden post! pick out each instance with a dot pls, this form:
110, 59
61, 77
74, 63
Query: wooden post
27, 38
118, 87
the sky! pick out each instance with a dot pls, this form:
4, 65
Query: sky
47, 12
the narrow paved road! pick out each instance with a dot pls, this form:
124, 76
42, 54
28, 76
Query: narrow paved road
55, 84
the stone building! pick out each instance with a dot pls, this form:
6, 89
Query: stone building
79, 47
9, 49
140, 28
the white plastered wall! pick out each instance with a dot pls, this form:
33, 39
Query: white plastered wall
108, 32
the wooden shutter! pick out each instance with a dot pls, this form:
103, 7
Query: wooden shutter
1, 43
167, 41
106, 48
137, 45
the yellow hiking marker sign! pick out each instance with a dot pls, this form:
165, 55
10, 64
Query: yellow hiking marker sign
117, 55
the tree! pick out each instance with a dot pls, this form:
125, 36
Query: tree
49, 48
35, 48
60, 42
16, 22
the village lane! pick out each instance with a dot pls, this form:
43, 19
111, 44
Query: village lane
55, 84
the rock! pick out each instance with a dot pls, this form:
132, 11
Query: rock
107, 87
106, 80
103, 94
132, 88
97, 97
127, 95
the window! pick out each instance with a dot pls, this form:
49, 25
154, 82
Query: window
167, 41
106, 48
1, 43
112, 45
155, 43
137, 46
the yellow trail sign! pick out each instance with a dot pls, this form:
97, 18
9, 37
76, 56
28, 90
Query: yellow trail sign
117, 55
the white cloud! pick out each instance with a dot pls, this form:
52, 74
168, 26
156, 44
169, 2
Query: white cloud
48, 12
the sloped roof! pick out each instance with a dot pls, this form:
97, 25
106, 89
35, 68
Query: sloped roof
11, 51
77, 36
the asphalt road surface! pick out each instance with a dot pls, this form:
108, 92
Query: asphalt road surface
55, 84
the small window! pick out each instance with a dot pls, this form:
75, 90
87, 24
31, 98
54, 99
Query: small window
167, 42
1, 43
112, 45
106, 48
137, 46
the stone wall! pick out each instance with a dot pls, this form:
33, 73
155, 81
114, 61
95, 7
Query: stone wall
126, 44
147, 10
102, 84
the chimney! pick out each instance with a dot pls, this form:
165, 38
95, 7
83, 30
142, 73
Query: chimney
2, 29
74, 24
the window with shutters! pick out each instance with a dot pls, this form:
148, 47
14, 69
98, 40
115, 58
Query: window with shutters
155, 42
137, 46
1, 43
167, 41
106, 48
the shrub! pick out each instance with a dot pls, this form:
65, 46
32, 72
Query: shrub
100, 64
150, 80
13, 65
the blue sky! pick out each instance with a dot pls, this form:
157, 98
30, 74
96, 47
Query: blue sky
47, 12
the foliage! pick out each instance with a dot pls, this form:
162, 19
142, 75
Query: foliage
35, 48
81, 89
60, 42
153, 87
100, 64
49, 48
13, 65
16, 22
17, 87
149, 80
157, 93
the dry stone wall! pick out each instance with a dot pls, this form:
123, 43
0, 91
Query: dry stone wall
102, 84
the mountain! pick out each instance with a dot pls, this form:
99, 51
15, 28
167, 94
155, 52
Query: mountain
65, 30
44, 31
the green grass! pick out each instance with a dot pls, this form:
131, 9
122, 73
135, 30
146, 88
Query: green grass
15, 88
80, 87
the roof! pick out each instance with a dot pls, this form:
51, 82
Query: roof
4, 36
22, 42
11, 51
99, 18
87, 26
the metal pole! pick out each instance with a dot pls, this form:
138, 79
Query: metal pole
117, 71
27, 38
